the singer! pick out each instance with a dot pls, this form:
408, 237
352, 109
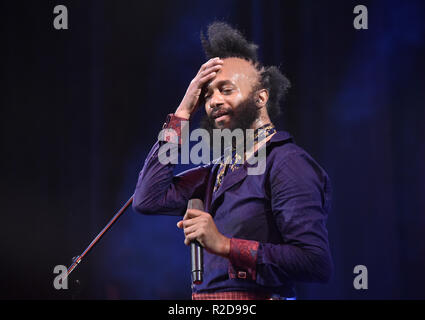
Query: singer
260, 233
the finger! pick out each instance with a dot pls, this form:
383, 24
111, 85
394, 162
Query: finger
206, 79
186, 223
210, 63
190, 215
186, 216
190, 230
193, 213
215, 69
190, 238
190, 222
207, 75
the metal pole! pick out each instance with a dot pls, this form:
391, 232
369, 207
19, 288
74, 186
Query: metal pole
114, 219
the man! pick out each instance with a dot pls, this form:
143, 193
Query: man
262, 232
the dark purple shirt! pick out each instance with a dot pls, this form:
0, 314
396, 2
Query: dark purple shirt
276, 220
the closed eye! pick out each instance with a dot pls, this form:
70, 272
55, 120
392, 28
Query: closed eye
227, 91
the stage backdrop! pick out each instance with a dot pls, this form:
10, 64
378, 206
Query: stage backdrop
80, 109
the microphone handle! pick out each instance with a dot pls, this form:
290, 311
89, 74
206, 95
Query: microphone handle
196, 255
196, 250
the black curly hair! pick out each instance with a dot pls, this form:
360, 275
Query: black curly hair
225, 42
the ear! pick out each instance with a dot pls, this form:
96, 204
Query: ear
262, 97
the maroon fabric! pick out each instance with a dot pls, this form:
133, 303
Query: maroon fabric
173, 123
243, 259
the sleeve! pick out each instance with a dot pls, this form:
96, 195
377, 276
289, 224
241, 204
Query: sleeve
300, 200
158, 191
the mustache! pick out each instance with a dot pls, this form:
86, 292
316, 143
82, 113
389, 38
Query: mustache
220, 112
241, 117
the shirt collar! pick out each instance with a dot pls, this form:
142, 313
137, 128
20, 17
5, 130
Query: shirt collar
281, 136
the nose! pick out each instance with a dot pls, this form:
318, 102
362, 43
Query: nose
216, 99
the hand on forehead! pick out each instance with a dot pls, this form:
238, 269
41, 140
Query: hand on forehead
239, 71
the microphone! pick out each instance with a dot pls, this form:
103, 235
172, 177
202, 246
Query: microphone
196, 250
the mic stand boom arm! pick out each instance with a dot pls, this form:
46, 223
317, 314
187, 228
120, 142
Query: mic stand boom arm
114, 219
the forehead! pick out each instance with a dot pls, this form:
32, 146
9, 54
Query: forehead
237, 71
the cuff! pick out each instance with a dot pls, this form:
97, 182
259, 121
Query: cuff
172, 129
243, 259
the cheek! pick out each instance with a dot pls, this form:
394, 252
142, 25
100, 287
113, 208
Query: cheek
235, 99
208, 110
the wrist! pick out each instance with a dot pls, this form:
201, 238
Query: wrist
225, 248
182, 114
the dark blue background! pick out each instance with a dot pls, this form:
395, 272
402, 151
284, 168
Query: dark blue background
80, 109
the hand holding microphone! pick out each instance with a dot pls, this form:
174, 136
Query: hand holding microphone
196, 251
200, 227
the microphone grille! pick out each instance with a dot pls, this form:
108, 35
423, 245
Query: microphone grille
195, 204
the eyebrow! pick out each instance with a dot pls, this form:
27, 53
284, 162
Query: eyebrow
219, 83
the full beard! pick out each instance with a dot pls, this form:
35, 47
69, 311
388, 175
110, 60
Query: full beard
242, 117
